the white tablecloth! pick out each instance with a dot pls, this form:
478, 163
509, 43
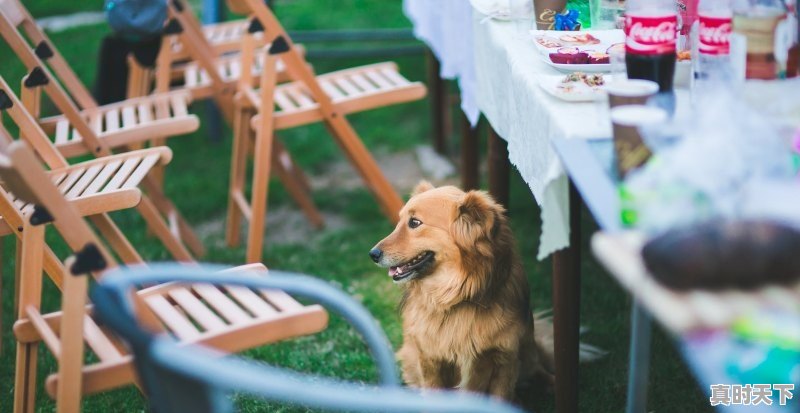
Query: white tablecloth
446, 27
508, 70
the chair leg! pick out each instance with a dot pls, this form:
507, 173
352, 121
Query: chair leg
287, 172
261, 168
161, 230
365, 164
242, 133
295, 169
119, 243
25, 378
168, 209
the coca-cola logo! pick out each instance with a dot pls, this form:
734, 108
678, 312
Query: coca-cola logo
714, 35
651, 35
663, 33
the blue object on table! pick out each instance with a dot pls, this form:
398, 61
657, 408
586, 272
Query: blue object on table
567, 20
196, 379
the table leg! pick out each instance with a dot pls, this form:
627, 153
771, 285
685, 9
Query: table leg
499, 168
638, 359
566, 311
437, 89
469, 155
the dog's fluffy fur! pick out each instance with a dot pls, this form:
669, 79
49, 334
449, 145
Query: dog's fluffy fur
467, 320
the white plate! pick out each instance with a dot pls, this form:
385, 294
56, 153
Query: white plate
586, 68
581, 93
606, 38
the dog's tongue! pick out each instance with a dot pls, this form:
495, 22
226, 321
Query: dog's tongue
395, 270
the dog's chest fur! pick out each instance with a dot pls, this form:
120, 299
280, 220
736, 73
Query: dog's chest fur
461, 332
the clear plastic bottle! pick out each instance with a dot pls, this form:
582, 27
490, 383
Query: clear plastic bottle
711, 62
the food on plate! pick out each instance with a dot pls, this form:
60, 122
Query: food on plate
597, 58
549, 42
579, 38
591, 80
684, 55
570, 56
616, 47
725, 254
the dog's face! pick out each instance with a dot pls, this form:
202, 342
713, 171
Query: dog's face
435, 227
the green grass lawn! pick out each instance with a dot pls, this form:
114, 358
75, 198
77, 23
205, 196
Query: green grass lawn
197, 181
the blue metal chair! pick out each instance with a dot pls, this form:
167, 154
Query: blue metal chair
198, 379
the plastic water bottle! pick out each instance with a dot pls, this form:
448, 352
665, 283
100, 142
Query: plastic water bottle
711, 64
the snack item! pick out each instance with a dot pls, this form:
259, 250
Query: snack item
725, 254
598, 58
591, 80
579, 38
569, 55
684, 55
616, 47
549, 42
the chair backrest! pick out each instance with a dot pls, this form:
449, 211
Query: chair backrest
15, 17
22, 175
29, 128
193, 378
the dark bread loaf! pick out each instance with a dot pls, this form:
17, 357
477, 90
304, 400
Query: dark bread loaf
725, 254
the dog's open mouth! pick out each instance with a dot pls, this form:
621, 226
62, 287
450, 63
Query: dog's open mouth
411, 268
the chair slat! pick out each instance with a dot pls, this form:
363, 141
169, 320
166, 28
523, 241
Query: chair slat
70, 180
84, 182
112, 120
196, 309
179, 106
128, 117
162, 107
300, 97
363, 83
283, 101
145, 113
331, 90
103, 176
395, 77
281, 300
62, 131
96, 122
221, 303
174, 320
347, 86
141, 170
99, 342
251, 301
375, 77
122, 174
190, 76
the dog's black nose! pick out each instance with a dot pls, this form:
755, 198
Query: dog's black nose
375, 254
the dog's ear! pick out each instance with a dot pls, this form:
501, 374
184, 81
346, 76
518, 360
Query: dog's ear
477, 214
421, 187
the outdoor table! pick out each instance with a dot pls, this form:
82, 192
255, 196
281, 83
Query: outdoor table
590, 167
508, 69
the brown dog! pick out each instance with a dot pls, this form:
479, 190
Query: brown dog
467, 320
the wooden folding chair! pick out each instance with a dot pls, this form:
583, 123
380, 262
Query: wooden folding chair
151, 204
229, 319
205, 62
308, 99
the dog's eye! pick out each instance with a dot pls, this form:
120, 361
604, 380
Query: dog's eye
413, 223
